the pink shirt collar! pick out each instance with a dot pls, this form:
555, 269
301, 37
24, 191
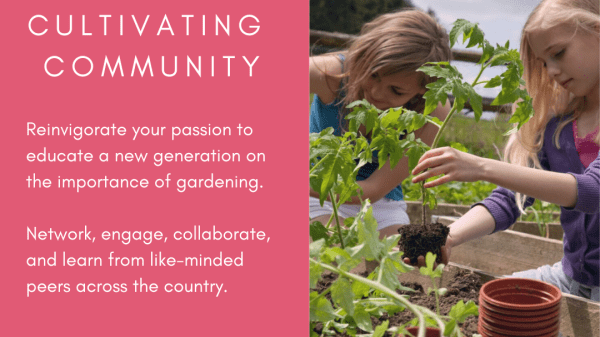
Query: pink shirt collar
586, 147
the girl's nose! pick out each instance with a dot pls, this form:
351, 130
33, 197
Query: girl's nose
553, 70
376, 90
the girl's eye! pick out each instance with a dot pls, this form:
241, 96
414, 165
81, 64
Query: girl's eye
559, 54
374, 75
397, 91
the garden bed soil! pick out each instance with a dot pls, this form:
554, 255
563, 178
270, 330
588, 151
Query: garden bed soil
416, 240
464, 286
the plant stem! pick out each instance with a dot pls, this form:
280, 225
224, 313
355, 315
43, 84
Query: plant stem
437, 297
418, 311
337, 220
325, 292
479, 75
423, 210
441, 130
318, 163
438, 136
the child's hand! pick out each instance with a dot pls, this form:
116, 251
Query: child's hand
454, 164
445, 255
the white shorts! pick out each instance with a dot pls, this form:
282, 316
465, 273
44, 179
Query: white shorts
386, 211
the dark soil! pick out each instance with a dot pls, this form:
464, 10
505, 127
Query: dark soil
416, 240
465, 286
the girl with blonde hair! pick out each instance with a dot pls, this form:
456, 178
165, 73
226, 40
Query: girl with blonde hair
554, 157
380, 66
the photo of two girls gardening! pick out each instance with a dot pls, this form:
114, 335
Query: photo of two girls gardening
381, 106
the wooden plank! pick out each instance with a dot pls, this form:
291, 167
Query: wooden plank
554, 230
506, 252
414, 210
528, 227
340, 40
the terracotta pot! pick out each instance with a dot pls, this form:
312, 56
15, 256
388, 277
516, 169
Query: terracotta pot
520, 294
429, 332
486, 333
517, 313
483, 311
535, 324
552, 330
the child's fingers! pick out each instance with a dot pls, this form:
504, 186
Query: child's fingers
428, 164
420, 262
438, 181
432, 153
436, 171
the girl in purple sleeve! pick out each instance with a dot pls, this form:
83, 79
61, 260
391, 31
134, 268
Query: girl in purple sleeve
554, 157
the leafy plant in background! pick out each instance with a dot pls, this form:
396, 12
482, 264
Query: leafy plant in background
334, 164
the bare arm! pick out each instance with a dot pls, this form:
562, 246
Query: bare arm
322, 70
557, 188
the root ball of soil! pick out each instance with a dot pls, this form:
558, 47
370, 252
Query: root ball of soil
417, 240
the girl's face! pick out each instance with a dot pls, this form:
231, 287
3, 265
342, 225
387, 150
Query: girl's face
392, 91
571, 58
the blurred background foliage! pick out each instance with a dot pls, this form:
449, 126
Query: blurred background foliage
348, 16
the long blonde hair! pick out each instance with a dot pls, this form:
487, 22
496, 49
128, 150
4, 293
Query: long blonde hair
548, 97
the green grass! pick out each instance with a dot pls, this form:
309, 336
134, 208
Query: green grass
484, 138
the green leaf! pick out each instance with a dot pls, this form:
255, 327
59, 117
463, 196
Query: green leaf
341, 293
389, 117
488, 52
434, 69
362, 318
367, 233
363, 114
381, 329
429, 262
316, 247
388, 275
523, 112
360, 289
320, 309
318, 231
459, 147
430, 199
332, 253
460, 92
437, 93
468, 30
449, 327
461, 311
315, 271
494, 82
362, 102
475, 100
476, 37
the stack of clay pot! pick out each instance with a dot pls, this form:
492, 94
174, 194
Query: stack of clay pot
519, 307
